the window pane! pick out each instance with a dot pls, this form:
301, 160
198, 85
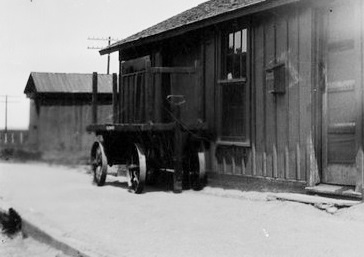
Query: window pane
231, 43
233, 111
237, 44
244, 41
243, 65
237, 66
229, 67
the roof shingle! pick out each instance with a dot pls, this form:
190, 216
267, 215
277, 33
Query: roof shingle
201, 12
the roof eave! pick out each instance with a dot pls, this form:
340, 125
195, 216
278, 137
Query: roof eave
258, 7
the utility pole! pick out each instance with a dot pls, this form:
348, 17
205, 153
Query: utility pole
6, 114
108, 58
6, 108
109, 40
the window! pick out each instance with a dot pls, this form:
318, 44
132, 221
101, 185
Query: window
234, 55
234, 89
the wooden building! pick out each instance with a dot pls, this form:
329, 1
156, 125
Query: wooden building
60, 110
280, 86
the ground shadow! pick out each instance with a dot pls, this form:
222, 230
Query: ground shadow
118, 184
162, 184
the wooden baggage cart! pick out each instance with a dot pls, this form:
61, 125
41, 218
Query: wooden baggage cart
156, 126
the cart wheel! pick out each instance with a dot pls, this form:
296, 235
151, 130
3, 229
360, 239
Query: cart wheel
136, 169
195, 169
99, 163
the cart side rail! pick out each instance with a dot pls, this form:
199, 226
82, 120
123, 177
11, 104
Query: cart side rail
141, 94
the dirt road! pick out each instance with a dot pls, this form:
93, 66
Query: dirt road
110, 221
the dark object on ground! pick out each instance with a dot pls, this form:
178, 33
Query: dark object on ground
11, 222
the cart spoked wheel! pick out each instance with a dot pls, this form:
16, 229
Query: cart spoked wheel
99, 164
195, 169
136, 169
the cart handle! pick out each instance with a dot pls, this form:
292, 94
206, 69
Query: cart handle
176, 99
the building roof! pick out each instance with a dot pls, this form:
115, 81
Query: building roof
42, 82
198, 15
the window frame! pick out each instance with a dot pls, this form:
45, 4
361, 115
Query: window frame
243, 81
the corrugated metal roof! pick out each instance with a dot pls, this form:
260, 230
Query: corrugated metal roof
201, 12
42, 82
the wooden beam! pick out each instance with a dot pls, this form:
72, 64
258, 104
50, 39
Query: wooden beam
178, 152
149, 92
173, 69
121, 94
94, 98
115, 103
142, 99
158, 105
200, 90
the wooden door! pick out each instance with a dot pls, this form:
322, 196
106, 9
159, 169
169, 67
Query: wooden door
341, 72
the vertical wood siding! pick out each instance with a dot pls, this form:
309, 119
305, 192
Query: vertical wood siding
282, 123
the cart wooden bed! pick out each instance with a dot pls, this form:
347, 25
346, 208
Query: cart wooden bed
156, 127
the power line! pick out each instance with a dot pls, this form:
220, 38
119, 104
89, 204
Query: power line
11, 96
95, 47
6, 106
103, 39
109, 40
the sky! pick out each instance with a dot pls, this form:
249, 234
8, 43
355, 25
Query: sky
53, 36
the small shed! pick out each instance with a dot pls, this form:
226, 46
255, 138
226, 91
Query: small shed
60, 110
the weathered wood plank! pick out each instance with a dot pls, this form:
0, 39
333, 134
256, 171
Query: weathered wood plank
243, 167
259, 88
312, 199
199, 89
298, 161
359, 163
149, 103
264, 164
259, 164
293, 92
305, 87
210, 78
286, 163
275, 162
131, 99
126, 99
270, 106
135, 98
142, 98
254, 161
282, 99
